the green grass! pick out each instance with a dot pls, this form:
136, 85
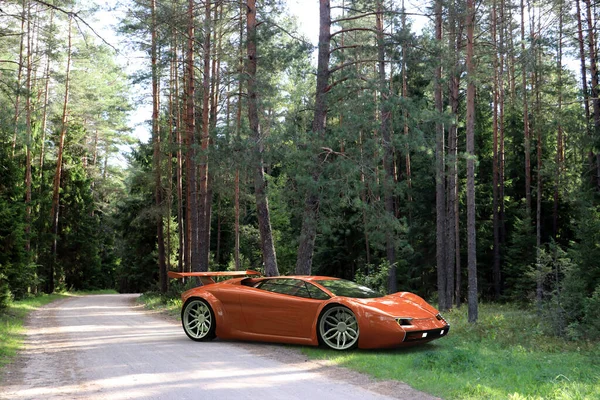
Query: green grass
155, 301
12, 318
504, 356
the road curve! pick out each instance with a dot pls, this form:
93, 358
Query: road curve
107, 347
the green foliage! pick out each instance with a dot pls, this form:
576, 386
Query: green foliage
136, 269
520, 258
582, 278
374, 277
15, 268
5, 295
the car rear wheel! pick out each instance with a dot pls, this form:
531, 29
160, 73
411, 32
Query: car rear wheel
338, 328
198, 320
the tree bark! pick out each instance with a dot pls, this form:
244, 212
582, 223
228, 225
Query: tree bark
495, 169
388, 154
203, 198
535, 83
452, 211
260, 185
54, 212
526, 134
162, 268
440, 172
19, 76
190, 125
584, 86
28, 139
595, 90
559, 136
238, 128
471, 231
311, 205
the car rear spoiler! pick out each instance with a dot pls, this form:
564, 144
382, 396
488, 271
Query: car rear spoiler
206, 277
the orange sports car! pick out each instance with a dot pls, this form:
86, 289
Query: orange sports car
308, 310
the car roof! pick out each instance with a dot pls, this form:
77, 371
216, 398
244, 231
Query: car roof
303, 277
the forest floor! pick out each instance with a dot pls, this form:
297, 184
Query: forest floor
109, 346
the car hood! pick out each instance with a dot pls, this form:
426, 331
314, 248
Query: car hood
396, 307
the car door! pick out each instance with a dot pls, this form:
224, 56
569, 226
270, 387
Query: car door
280, 307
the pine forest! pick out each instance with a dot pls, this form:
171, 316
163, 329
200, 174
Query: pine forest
445, 147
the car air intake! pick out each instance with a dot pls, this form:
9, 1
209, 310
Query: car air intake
404, 321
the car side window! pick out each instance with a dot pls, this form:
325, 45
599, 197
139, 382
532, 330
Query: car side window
292, 287
316, 293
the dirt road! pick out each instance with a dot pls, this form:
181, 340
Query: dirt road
107, 347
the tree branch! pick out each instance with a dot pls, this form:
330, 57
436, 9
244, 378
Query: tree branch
77, 17
345, 47
353, 29
344, 65
353, 18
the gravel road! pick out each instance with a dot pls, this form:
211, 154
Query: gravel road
107, 347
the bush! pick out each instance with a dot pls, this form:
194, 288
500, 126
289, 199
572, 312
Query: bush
374, 277
590, 318
5, 295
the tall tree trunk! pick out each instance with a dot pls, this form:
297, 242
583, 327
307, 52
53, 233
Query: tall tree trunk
526, 133
192, 235
452, 216
58, 172
592, 52
408, 170
260, 185
238, 128
471, 231
495, 171
162, 268
536, 83
203, 198
181, 267
43, 138
311, 206
440, 172
28, 140
25, 5
388, 154
584, 86
559, 136
501, 161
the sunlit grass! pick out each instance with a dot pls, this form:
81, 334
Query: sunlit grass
155, 301
504, 356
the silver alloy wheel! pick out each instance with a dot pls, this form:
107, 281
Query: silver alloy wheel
338, 328
197, 320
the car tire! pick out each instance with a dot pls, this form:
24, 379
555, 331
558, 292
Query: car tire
198, 320
337, 328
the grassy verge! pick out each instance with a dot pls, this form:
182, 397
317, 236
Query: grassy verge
155, 301
11, 321
504, 356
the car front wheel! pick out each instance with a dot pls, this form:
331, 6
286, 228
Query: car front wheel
198, 320
338, 328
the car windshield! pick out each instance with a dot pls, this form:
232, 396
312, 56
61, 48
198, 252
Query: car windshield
341, 287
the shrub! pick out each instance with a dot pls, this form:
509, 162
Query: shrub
5, 295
